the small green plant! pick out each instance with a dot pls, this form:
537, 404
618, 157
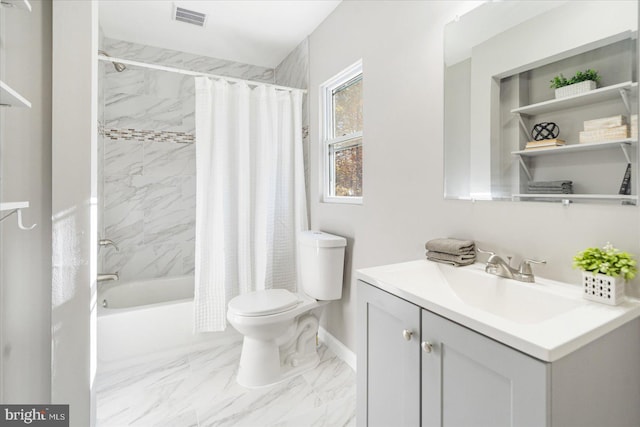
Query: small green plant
561, 81
608, 260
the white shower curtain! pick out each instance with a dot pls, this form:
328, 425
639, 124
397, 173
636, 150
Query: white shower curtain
250, 196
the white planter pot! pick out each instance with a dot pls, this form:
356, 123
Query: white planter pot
575, 89
603, 288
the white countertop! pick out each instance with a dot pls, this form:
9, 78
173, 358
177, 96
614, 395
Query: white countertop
423, 283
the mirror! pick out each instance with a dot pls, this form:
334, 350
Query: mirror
499, 61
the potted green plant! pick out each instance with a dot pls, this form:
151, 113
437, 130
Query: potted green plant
582, 81
604, 272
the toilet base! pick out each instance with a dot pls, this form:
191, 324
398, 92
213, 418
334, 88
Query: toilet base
247, 377
264, 363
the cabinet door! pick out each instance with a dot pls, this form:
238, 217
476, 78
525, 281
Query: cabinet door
388, 371
471, 380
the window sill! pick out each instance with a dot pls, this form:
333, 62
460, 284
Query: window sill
343, 200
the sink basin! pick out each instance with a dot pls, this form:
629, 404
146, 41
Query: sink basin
516, 301
546, 319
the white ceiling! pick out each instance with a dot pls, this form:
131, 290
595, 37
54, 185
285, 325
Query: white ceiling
258, 32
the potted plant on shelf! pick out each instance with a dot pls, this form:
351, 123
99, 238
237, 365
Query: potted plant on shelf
604, 272
582, 81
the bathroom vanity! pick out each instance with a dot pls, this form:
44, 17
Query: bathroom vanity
446, 346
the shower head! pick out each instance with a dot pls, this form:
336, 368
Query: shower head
117, 65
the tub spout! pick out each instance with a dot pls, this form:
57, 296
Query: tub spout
107, 277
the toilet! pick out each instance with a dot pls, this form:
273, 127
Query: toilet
280, 327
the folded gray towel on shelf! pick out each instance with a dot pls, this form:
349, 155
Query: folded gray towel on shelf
457, 259
550, 184
542, 190
451, 246
454, 263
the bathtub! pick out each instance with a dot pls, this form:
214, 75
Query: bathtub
142, 318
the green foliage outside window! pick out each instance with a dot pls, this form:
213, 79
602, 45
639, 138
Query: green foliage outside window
347, 120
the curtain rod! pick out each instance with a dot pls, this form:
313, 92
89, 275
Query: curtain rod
194, 73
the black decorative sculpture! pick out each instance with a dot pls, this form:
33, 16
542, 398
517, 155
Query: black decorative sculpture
545, 130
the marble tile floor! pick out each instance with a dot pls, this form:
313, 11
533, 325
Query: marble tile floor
197, 387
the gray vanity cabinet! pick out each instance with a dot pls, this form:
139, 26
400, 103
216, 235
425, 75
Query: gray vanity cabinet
471, 380
417, 368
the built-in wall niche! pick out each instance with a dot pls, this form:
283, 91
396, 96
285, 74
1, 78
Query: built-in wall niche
596, 168
499, 60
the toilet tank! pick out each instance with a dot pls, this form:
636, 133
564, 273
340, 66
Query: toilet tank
321, 264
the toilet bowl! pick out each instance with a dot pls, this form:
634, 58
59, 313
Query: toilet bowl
280, 327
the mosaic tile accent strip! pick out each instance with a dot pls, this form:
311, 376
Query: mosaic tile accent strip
149, 135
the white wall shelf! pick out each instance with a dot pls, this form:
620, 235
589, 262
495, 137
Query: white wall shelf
18, 4
13, 205
11, 98
15, 208
623, 144
591, 146
598, 95
569, 197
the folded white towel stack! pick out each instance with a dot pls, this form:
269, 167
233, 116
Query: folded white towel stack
451, 251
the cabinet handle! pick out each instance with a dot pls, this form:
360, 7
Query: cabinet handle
427, 347
407, 334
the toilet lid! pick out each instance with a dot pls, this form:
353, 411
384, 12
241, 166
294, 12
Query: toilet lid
262, 303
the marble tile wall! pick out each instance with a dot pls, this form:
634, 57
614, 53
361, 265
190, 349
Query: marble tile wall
187, 61
293, 71
148, 159
100, 147
147, 152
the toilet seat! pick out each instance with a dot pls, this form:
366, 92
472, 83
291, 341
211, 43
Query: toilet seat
263, 303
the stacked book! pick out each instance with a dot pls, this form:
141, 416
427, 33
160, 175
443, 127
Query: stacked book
634, 126
544, 143
550, 187
605, 129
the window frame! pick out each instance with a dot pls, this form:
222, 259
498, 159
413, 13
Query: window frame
327, 124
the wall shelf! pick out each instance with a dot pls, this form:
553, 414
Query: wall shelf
591, 146
13, 205
569, 197
623, 144
596, 95
11, 98
18, 4
15, 208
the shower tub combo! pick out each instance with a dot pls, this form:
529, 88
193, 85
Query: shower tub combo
143, 317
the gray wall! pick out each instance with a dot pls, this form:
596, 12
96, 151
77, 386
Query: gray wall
25, 166
401, 46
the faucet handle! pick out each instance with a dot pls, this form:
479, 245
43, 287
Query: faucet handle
482, 251
525, 265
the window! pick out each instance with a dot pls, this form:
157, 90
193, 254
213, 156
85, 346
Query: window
342, 136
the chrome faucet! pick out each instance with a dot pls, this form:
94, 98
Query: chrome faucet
107, 242
108, 277
499, 267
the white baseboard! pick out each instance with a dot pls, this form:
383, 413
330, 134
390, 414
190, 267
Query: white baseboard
335, 345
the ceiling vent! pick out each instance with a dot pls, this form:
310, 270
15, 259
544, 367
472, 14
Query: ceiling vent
189, 16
